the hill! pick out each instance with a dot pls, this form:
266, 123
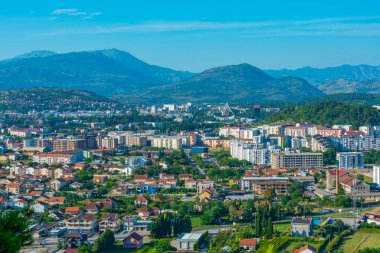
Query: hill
43, 98
321, 75
350, 86
106, 72
233, 83
328, 113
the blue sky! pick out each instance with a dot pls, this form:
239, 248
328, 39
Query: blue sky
199, 34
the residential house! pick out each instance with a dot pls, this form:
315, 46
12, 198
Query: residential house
133, 241
248, 244
305, 249
83, 223
109, 221
302, 226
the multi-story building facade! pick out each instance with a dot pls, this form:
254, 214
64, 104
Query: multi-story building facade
252, 152
297, 160
170, 142
350, 160
260, 184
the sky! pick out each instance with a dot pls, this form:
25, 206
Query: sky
199, 34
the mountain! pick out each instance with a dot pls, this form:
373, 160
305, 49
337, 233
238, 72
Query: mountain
350, 86
321, 75
233, 83
43, 98
35, 54
106, 72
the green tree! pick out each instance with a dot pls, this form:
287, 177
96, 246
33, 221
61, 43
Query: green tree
14, 231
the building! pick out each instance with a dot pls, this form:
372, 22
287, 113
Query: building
350, 160
110, 143
305, 249
297, 160
56, 158
84, 224
253, 152
133, 241
169, 142
61, 145
296, 131
228, 131
320, 143
186, 241
260, 184
216, 142
248, 244
376, 175
302, 226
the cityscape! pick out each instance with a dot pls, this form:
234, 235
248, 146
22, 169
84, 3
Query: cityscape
101, 151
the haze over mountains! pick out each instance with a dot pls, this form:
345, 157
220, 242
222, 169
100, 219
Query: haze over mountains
123, 76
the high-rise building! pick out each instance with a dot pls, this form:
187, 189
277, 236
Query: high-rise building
256, 111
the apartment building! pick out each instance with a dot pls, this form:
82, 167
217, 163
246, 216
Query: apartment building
297, 160
84, 224
61, 145
169, 142
260, 184
252, 152
216, 142
109, 143
56, 158
350, 160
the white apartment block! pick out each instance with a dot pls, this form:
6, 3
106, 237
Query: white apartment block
359, 142
55, 158
252, 152
299, 143
376, 175
230, 132
169, 142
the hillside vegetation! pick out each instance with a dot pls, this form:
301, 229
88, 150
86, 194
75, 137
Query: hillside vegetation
328, 113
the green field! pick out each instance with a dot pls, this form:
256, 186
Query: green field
282, 226
350, 242
195, 221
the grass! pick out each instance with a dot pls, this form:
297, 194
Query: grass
339, 215
196, 221
350, 242
282, 226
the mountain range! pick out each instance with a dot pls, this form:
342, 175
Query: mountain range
120, 75
341, 79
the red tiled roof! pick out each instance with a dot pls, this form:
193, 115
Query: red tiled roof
248, 242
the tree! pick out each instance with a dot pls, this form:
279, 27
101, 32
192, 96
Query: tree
14, 231
84, 249
295, 191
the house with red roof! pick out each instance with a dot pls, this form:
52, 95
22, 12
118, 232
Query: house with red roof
248, 244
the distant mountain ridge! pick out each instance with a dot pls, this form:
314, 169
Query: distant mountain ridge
320, 75
118, 74
107, 72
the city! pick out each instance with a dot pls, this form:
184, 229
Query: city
218, 126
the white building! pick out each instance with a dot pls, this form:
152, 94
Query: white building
376, 175
256, 153
170, 142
